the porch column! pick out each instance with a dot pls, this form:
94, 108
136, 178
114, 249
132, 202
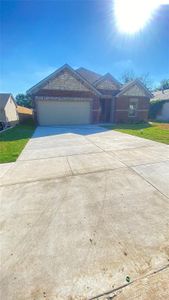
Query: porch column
95, 110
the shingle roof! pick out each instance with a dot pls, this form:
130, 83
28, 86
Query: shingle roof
4, 99
161, 95
90, 76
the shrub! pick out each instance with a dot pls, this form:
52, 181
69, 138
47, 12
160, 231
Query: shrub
155, 108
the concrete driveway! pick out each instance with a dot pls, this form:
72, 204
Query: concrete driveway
81, 209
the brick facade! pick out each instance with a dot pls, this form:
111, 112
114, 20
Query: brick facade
122, 107
122, 117
95, 110
65, 93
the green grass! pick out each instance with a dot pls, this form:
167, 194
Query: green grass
14, 140
158, 132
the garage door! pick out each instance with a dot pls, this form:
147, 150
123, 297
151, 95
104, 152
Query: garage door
63, 112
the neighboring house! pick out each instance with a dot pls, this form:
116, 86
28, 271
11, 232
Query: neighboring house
81, 96
8, 111
24, 113
161, 99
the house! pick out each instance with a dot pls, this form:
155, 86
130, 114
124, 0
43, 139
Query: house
81, 96
160, 102
8, 110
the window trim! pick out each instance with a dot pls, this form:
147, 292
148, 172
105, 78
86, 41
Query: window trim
131, 101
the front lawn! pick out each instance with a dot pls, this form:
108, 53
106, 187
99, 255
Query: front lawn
13, 141
158, 132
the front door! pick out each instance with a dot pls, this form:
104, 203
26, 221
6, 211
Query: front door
105, 105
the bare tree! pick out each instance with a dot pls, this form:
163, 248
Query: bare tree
129, 75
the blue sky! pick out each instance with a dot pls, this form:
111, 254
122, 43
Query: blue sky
37, 37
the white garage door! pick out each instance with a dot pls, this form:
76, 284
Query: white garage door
63, 112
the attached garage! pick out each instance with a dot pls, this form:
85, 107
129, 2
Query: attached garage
65, 98
63, 112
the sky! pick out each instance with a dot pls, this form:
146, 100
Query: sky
37, 37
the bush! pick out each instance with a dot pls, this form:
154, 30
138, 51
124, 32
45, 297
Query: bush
24, 100
155, 109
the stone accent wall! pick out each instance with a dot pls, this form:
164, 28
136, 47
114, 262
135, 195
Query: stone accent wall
106, 84
65, 81
135, 90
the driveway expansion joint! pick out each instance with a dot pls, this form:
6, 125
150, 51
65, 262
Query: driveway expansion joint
129, 283
62, 177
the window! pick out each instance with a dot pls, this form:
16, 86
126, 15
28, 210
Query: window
132, 107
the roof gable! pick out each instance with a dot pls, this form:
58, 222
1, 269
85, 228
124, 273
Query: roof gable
107, 82
65, 78
135, 88
4, 97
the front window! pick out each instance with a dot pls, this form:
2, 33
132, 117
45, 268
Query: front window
132, 108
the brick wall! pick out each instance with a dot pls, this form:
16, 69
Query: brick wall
122, 117
65, 93
121, 110
95, 110
123, 102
